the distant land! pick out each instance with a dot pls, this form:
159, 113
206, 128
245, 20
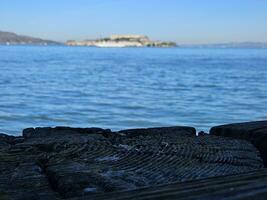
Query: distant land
122, 41
229, 45
8, 38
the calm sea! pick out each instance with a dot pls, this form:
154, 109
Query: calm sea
130, 87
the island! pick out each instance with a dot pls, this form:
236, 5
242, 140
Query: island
131, 40
122, 41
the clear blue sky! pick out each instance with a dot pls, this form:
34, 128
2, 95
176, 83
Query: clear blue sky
183, 21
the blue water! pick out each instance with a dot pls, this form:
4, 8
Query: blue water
128, 88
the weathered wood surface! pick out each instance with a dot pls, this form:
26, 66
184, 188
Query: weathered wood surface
56, 163
255, 132
247, 186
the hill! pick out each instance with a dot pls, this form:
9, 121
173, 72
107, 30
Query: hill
9, 38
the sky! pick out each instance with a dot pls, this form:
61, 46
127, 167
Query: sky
182, 21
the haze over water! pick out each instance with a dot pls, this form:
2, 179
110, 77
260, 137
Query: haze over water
130, 87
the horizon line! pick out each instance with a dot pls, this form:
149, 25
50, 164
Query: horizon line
101, 37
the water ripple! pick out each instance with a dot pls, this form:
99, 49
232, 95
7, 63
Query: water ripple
130, 88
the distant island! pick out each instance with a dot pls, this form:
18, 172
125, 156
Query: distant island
122, 41
8, 38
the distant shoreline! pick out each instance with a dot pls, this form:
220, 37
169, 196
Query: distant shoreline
177, 47
121, 41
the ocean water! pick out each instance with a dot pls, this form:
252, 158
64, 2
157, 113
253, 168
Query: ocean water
130, 87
